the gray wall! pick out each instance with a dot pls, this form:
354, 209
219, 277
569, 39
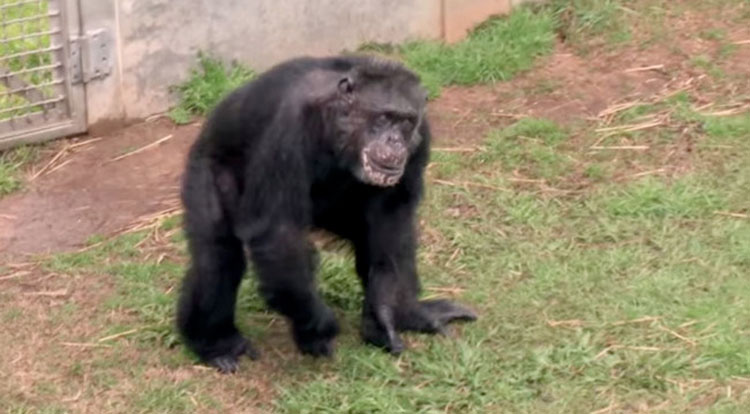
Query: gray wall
158, 40
103, 96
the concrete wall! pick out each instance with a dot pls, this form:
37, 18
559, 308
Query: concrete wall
158, 40
104, 102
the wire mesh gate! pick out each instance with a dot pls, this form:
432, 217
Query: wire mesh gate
38, 97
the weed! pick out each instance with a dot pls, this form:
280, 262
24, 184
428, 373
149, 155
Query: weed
636, 112
726, 50
732, 128
530, 145
653, 198
596, 172
588, 23
713, 34
12, 163
494, 51
164, 398
206, 86
707, 64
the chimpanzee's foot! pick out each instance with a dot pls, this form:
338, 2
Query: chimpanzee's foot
379, 325
316, 337
228, 362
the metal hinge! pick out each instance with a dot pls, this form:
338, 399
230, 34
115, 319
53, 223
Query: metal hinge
91, 56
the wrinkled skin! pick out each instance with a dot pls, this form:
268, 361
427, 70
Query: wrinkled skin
338, 144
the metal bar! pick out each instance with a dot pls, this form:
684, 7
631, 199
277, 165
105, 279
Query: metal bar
63, 56
31, 105
36, 69
30, 18
29, 36
17, 4
43, 130
39, 116
24, 89
16, 82
30, 52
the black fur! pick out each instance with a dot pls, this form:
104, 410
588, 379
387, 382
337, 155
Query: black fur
281, 156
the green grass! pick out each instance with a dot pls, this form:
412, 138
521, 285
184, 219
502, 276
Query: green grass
598, 289
210, 81
709, 65
596, 25
623, 253
141, 285
713, 34
495, 51
586, 24
531, 146
627, 292
654, 198
28, 409
735, 128
12, 163
164, 398
719, 130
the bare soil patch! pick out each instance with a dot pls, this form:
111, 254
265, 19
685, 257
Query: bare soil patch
91, 194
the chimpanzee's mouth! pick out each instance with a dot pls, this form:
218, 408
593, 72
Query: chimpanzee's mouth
380, 173
388, 169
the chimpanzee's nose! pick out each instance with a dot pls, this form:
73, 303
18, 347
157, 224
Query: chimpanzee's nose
392, 153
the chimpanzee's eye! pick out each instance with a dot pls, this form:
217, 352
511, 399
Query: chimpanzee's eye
381, 120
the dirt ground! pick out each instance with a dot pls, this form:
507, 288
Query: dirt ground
81, 189
91, 194
84, 192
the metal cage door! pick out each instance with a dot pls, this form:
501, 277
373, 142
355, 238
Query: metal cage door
39, 96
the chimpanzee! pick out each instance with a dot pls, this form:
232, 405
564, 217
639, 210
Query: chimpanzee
336, 143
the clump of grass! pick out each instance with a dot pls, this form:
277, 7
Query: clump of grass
338, 283
164, 397
12, 163
530, 145
653, 198
720, 130
206, 86
143, 286
588, 23
636, 112
709, 65
494, 51
596, 172
547, 131
728, 128
727, 50
713, 34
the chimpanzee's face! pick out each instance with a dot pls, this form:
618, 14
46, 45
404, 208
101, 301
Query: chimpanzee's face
378, 118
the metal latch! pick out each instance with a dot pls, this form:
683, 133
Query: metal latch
91, 56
